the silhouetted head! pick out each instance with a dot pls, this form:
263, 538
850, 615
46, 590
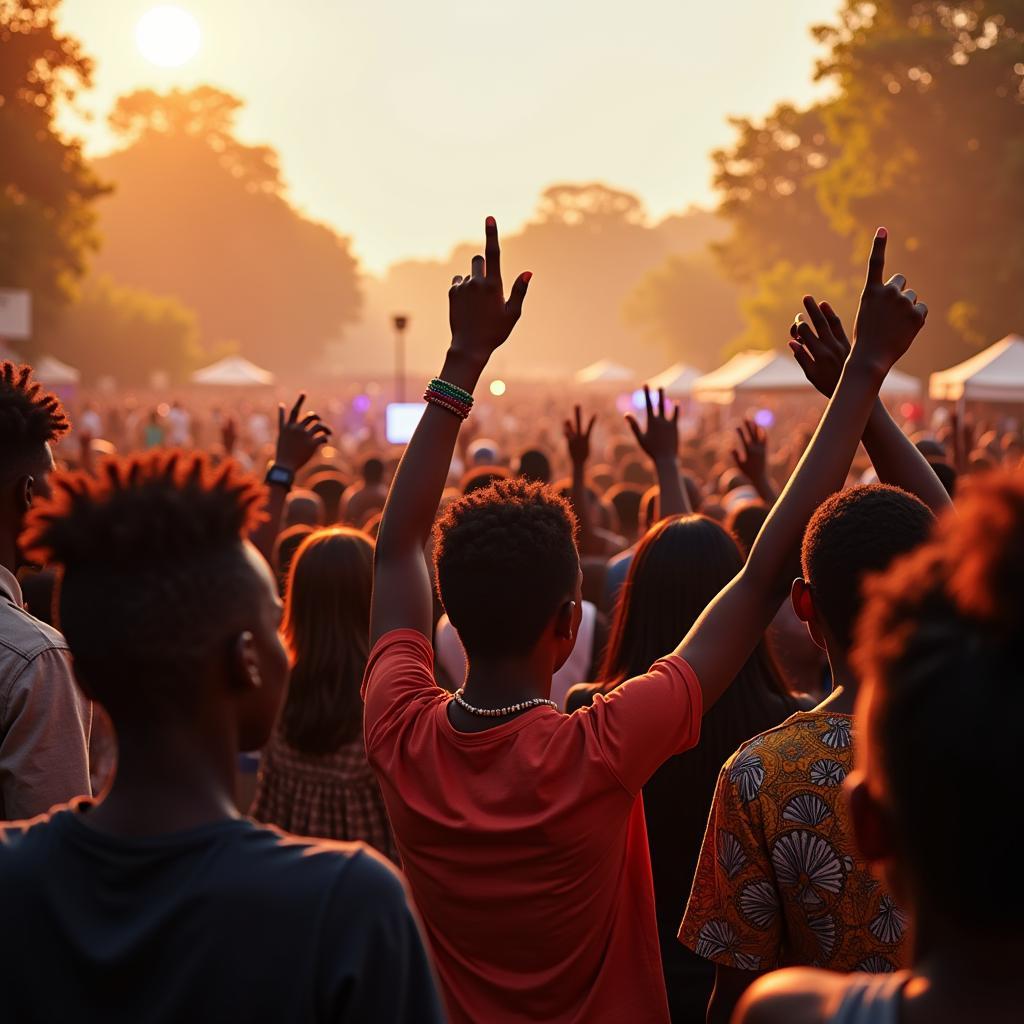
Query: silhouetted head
627, 499
305, 507
373, 472
744, 522
329, 486
852, 534
481, 477
31, 420
535, 467
287, 544
170, 614
939, 652
326, 628
508, 572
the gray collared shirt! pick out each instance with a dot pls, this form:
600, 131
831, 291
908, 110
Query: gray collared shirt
45, 720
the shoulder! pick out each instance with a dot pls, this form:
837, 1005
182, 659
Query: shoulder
797, 995
24, 636
581, 695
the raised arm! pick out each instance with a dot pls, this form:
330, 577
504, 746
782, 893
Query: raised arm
751, 458
480, 320
298, 440
821, 347
660, 441
728, 630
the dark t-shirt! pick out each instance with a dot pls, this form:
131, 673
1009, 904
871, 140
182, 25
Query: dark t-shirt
227, 922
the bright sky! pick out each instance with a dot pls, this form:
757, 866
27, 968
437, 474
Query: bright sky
404, 122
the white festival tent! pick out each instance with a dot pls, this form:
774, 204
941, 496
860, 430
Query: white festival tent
233, 372
604, 371
53, 373
677, 380
759, 372
995, 375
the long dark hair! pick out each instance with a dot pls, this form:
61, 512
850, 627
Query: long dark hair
326, 628
679, 566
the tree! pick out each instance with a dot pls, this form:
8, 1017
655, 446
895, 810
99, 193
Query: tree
204, 217
128, 334
925, 134
769, 307
688, 306
46, 187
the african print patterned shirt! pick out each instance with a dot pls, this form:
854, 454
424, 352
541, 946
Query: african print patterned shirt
778, 882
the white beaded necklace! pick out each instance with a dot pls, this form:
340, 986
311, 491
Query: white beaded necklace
498, 712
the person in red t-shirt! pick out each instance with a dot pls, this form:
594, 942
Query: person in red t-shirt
520, 828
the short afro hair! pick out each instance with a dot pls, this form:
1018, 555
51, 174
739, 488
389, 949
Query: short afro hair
852, 534
504, 559
939, 651
154, 575
29, 417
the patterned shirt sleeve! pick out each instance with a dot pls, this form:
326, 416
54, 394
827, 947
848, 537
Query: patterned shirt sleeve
733, 917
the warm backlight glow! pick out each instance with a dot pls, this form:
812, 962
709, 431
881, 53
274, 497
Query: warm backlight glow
168, 36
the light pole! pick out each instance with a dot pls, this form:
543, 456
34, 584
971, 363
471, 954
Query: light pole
401, 322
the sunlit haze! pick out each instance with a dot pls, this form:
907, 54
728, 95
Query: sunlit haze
168, 36
402, 124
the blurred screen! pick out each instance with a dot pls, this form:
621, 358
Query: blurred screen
402, 419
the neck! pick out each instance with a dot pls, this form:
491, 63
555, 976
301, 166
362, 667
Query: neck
500, 682
844, 686
8, 550
171, 779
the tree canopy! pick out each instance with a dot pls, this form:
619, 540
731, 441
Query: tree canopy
203, 217
46, 187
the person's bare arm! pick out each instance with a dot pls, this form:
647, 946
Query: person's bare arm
578, 442
723, 637
481, 320
730, 984
751, 458
660, 441
821, 348
297, 442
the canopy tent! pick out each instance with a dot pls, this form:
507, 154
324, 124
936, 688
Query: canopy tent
233, 372
677, 380
604, 371
777, 373
995, 375
54, 374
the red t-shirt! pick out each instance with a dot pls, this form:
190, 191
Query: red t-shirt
525, 845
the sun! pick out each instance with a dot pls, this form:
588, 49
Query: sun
168, 36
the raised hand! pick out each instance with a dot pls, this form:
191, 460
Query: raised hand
751, 457
661, 438
299, 440
889, 316
480, 317
578, 438
821, 346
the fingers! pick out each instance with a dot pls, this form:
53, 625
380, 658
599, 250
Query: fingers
876, 261
514, 306
579, 420
477, 268
492, 250
921, 309
648, 403
590, 425
675, 413
457, 280
635, 427
835, 325
310, 417
296, 408
802, 356
816, 315
280, 417
661, 402
909, 293
899, 280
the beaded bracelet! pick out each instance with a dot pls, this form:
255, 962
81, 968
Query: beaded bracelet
453, 405
451, 390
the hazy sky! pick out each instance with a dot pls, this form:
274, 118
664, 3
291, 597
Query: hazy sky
404, 122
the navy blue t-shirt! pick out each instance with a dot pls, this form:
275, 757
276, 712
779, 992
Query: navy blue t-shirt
227, 922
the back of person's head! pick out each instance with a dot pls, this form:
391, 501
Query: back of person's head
30, 421
326, 627
305, 507
679, 567
483, 452
329, 486
947, 475
479, 478
535, 467
373, 472
164, 605
287, 544
636, 472
930, 448
627, 499
852, 534
744, 522
939, 651
505, 562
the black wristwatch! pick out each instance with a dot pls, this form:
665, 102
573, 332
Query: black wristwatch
280, 476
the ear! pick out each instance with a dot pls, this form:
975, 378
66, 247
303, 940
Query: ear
870, 821
802, 598
565, 620
245, 663
24, 493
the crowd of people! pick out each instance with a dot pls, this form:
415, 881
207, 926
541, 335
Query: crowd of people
547, 717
